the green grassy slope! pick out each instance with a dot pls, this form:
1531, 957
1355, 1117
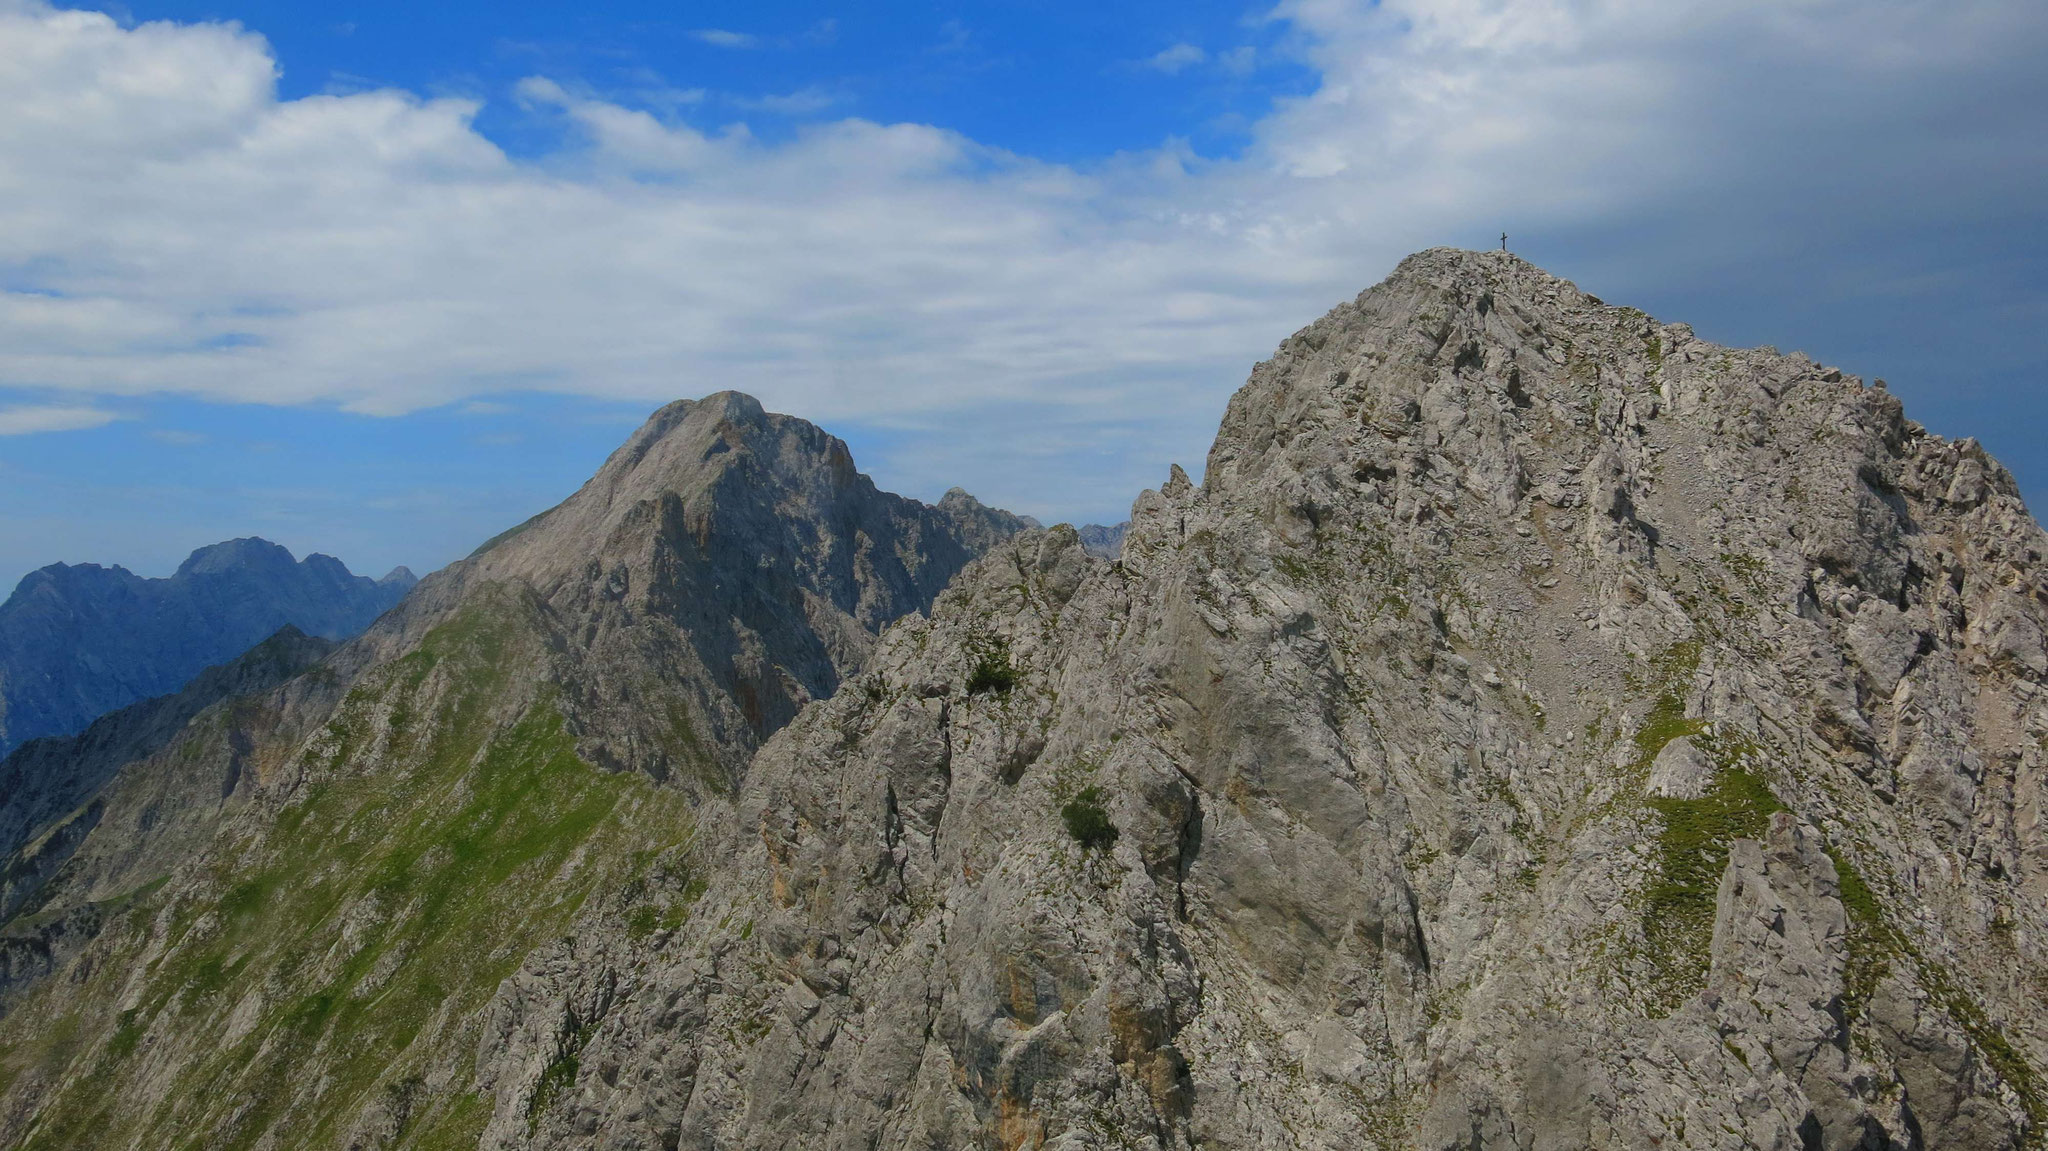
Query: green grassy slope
336, 957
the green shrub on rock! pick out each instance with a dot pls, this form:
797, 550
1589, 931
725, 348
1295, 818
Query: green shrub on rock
992, 671
1087, 821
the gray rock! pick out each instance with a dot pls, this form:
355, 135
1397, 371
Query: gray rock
433, 802
1104, 542
1430, 831
1681, 771
1495, 750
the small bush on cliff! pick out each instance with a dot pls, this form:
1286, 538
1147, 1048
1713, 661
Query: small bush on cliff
1086, 820
992, 670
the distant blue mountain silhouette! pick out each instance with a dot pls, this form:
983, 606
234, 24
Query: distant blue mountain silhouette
80, 640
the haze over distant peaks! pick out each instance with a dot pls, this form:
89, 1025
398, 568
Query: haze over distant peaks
80, 640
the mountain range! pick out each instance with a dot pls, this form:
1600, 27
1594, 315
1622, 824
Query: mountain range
78, 641
1539, 728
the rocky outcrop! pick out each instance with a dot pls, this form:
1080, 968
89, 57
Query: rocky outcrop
284, 919
1539, 729
725, 567
78, 641
47, 787
977, 525
1104, 542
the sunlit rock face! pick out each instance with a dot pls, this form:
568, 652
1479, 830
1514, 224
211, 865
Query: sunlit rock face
281, 902
1538, 729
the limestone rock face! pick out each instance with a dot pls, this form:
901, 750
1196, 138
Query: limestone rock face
1539, 729
278, 917
725, 567
80, 640
1104, 542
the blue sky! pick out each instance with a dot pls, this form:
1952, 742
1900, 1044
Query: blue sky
382, 281
1062, 82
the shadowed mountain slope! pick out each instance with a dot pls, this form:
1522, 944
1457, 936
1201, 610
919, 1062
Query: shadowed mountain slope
78, 641
49, 795
316, 885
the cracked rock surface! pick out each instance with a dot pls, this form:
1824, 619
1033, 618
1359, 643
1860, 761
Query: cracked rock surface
1540, 729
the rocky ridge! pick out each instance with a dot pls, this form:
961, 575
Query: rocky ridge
734, 555
1540, 728
50, 796
281, 922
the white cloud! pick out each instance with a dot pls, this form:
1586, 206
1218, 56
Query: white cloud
953, 37
25, 421
171, 226
802, 102
1177, 58
721, 38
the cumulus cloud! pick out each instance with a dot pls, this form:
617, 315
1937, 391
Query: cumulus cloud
722, 38
1176, 59
23, 421
169, 225
802, 102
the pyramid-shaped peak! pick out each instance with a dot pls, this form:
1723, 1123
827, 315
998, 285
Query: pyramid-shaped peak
1480, 280
732, 405
720, 411
1456, 303
729, 406
1451, 301
1454, 343
686, 444
727, 482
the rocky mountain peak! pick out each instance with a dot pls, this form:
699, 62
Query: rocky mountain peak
1541, 728
982, 526
693, 466
249, 553
1485, 317
740, 552
78, 641
1469, 383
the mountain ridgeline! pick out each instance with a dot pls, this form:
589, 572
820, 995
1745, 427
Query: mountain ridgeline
358, 844
78, 641
1539, 729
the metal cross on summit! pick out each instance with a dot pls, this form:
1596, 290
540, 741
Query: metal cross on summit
1503, 241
